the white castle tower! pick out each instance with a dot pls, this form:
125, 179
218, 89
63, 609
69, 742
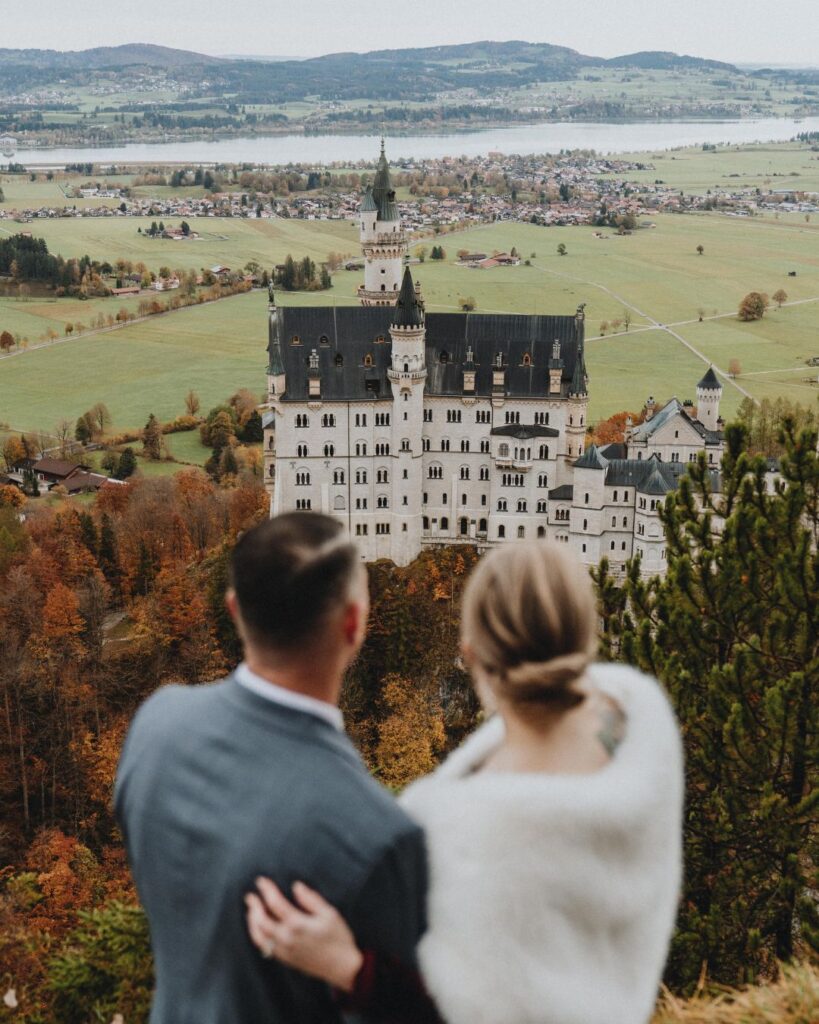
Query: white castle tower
407, 374
709, 392
383, 242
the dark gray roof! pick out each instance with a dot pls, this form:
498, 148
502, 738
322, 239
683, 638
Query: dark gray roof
710, 381
383, 193
591, 459
351, 332
368, 204
524, 431
644, 430
579, 376
563, 493
408, 310
615, 450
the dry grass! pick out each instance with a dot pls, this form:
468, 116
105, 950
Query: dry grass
793, 999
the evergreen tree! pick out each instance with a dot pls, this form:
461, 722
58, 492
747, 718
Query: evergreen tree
146, 570
152, 438
127, 464
253, 430
108, 557
88, 532
82, 431
228, 465
30, 483
733, 632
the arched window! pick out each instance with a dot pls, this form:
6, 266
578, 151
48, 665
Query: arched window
544, 451
443, 356
541, 507
380, 339
324, 340
527, 359
368, 359
521, 532
301, 451
464, 472
329, 451
444, 523
339, 360
339, 504
501, 532
503, 451
522, 505
541, 532
295, 340
425, 522
481, 526
502, 504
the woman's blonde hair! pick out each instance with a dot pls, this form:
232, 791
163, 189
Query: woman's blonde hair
529, 619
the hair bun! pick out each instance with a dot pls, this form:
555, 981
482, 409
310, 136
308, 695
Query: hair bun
547, 680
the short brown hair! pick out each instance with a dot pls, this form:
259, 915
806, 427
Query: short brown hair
289, 572
529, 619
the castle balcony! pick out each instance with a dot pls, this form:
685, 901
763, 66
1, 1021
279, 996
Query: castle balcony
388, 238
524, 465
370, 298
406, 378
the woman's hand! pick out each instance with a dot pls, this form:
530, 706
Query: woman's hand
311, 937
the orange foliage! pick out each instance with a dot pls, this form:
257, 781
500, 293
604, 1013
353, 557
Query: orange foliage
11, 496
412, 733
612, 430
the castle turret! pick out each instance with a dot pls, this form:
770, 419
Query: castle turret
383, 243
407, 375
709, 393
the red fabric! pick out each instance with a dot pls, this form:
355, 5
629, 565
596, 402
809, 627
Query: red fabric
385, 987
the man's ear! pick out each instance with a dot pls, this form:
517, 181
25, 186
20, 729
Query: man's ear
232, 604
354, 623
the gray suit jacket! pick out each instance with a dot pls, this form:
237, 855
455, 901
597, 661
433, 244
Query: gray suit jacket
217, 785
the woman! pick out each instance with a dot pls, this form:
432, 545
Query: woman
554, 832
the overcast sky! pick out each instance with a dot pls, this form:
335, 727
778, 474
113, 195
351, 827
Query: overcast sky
741, 31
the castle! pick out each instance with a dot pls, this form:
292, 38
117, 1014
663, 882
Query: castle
420, 428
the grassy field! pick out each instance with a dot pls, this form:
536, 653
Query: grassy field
656, 273
694, 170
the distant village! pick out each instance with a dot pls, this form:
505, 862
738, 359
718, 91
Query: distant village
445, 194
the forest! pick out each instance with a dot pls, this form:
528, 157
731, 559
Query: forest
102, 604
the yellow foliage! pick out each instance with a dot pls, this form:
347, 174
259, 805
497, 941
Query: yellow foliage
411, 735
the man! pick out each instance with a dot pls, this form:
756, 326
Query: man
254, 776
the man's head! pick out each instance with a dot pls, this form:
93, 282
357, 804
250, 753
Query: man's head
298, 591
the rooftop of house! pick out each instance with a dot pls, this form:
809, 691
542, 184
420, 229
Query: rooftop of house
646, 430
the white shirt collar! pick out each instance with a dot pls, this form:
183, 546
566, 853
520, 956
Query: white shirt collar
289, 698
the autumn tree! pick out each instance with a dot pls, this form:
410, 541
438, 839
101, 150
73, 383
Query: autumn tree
700, 250
13, 451
732, 631
561, 249
753, 306
734, 368
612, 430
763, 422
192, 403
780, 296
6, 341
411, 734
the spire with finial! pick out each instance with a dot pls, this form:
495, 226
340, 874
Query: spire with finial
408, 310
579, 377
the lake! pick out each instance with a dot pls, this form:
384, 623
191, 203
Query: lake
632, 137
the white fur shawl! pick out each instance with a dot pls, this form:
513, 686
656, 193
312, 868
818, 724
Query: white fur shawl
553, 897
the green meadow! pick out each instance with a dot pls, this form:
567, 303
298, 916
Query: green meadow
656, 273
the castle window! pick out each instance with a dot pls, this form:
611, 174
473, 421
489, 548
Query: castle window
483, 473
382, 501
382, 449
444, 523
368, 359
482, 416
382, 476
338, 476
425, 444
302, 479
541, 506
521, 506
329, 451
339, 359
586, 499
625, 495
464, 525
302, 420
361, 503
435, 471
443, 499
481, 526
503, 451
427, 415
483, 499
301, 451
443, 356
380, 339
527, 359
542, 480
328, 420
324, 340
445, 444
405, 445
360, 448
501, 532
465, 445
303, 504
585, 524
339, 503
295, 340
485, 447
464, 472
425, 522
541, 532
361, 476
502, 505
521, 532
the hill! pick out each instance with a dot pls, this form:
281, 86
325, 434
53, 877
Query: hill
108, 57
664, 60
